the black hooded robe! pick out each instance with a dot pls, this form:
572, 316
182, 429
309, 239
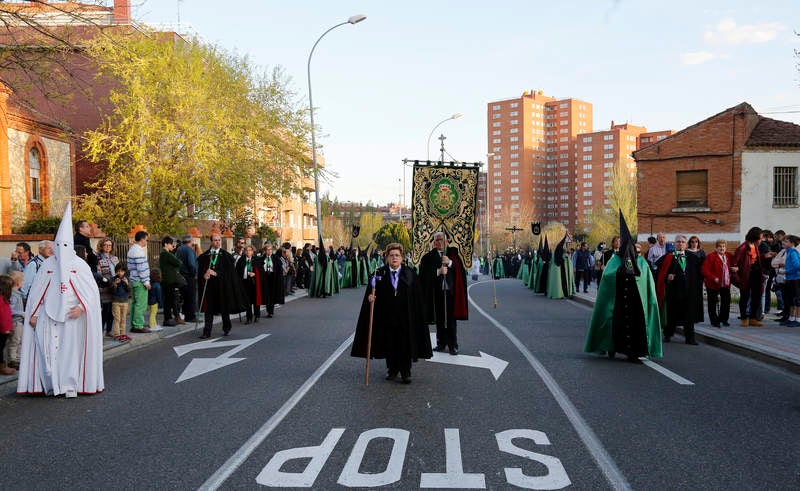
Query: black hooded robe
399, 332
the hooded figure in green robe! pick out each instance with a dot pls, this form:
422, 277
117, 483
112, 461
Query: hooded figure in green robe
625, 317
544, 268
498, 269
561, 279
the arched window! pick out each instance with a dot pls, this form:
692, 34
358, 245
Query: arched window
35, 166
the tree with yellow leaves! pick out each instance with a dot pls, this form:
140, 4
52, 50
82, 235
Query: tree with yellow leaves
196, 133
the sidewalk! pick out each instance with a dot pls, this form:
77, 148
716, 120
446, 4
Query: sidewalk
772, 343
113, 348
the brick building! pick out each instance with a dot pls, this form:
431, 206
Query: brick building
530, 141
721, 176
61, 87
599, 155
36, 175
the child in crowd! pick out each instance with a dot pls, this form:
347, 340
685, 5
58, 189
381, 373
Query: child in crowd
154, 298
121, 292
18, 317
6, 322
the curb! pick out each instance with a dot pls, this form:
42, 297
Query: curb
738, 346
112, 349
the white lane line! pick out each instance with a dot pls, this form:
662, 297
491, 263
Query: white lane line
604, 461
665, 372
238, 458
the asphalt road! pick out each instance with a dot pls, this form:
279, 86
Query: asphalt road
294, 411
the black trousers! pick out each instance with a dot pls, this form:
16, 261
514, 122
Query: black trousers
398, 364
168, 293
107, 316
446, 335
751, 294
209, 323
189, 294
586, 275
724, 297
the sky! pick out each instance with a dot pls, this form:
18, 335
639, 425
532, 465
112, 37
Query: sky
380, 87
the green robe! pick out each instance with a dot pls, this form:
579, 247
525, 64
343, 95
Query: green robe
522, 274
600, 335
325, 281
347, 275
533, 275
363, 271
559, 278
497, 266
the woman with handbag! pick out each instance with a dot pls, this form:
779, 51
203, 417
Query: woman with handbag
106, 262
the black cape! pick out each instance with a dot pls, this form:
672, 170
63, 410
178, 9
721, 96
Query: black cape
398, 325
223, 294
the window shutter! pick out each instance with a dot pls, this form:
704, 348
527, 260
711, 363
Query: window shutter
692, 188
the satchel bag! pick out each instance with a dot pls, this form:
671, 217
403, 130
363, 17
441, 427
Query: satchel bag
180, 281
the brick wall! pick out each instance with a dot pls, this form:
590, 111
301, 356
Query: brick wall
715, 145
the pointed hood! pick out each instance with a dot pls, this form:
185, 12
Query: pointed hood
546, 251
558, 255
627, 248
539, 249
322, 254
64, 252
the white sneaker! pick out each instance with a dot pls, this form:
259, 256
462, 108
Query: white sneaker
156, 328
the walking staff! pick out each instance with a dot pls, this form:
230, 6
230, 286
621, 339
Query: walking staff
369, 329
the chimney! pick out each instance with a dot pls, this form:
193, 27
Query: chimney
122, 12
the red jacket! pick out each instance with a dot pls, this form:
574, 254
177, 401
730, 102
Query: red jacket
741, 259
6, 322
712, 270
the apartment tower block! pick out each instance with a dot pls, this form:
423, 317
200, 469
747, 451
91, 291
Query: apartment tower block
546, 163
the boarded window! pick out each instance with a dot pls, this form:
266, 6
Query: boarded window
785, 187
692, 189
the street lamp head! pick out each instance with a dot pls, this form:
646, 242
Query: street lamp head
456, 116
356, 18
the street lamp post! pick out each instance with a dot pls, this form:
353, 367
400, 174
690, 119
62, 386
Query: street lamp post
352, 20
488, 202
428, 146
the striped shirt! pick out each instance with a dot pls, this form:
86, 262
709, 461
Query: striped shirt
138, 267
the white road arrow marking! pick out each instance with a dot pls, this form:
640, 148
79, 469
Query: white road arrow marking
199, 366
495, 365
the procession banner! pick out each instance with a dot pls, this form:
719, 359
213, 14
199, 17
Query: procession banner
444, 198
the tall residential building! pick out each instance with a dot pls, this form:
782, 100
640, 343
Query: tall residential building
546, 163
531, 167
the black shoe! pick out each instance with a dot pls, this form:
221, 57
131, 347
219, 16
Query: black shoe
715, 325
453, 351
585, 291
636, 360
440, 348
391, 375
170, 323
226, 333
248, 321
692, 342
406, 379
204, 336
725, 324
269, 316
